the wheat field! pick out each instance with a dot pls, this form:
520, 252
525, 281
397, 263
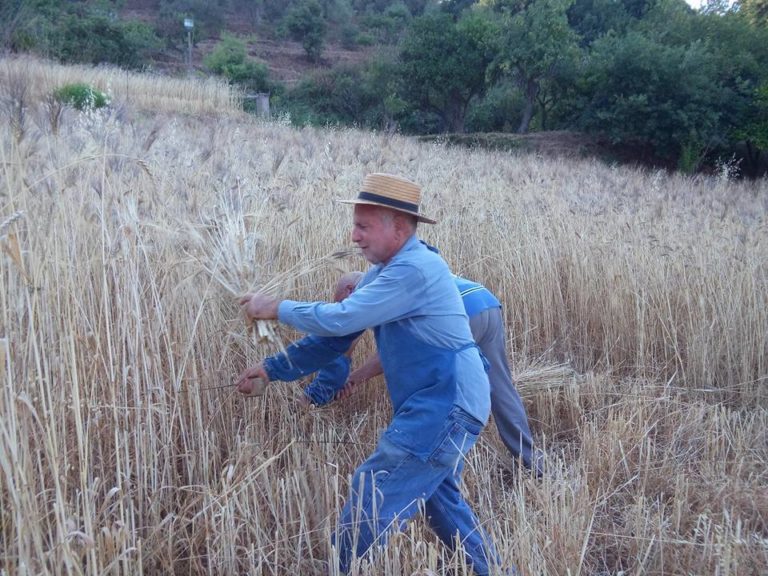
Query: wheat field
636, 306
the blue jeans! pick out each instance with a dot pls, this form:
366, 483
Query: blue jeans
392, 484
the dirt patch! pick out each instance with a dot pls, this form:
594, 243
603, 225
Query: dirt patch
288, 62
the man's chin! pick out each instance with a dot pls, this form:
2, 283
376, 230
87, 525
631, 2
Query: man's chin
367, 257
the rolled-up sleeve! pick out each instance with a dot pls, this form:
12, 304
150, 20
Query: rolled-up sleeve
329, 380
306, 356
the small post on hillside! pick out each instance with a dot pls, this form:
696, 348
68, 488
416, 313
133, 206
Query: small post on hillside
189, 24
261, 101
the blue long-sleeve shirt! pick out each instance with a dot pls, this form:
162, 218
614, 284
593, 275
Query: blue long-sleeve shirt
331, 378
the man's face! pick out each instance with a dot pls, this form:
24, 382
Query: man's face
375, 233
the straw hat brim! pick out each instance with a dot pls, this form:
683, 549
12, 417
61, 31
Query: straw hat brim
419, 217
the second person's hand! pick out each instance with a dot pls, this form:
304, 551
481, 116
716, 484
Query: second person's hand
247, 382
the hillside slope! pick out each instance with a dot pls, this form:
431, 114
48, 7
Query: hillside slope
286, 59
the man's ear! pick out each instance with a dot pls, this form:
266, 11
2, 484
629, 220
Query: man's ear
403, 225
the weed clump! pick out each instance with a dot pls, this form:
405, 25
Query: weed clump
81, 96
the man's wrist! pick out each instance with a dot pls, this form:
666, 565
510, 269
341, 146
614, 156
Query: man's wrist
266, 364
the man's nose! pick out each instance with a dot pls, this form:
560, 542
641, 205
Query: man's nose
355, 236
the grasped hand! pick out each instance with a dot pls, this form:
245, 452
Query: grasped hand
257, 306
248, 381
304, 402
350, 387
370, 368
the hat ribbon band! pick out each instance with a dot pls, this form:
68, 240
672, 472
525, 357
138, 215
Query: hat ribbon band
399, 204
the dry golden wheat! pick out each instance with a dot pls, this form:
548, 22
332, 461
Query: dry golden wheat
636, 305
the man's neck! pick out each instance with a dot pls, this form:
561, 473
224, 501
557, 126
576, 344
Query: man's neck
398, 249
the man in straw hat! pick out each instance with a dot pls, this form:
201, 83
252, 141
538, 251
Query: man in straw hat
434, 372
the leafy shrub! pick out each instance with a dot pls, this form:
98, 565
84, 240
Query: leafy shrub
81, 96
365, 39
305, 23
499, 110
349, 35
230, 59
345, 95
691, 155
96, 39
639, 89
80, 32
388, 26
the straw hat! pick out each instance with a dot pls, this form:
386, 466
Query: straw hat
392, 192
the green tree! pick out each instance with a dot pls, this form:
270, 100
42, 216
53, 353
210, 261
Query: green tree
443, 64
365, 95
592, 19
96, 39
388, 26
756, 11
229, 58
251, 11
29, 25
493, 112
536, 42
643, 91
306, 24
736, 52
336, 96
13, 14
382, 79
754, 130
88, 32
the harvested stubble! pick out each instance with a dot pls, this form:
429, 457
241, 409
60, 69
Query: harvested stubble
637, 310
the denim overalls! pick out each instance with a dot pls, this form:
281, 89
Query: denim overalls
419, 458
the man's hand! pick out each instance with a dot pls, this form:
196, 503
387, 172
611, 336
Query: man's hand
304, 402
248, 381
370, 368
259, 306
354, 380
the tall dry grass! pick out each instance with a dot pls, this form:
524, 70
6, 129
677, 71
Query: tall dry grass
150, 92
637, 311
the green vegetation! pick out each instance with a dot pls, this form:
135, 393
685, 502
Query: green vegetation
76, 32
306, 24
230, 59
537, 43
443, 64
682, 88
81, 96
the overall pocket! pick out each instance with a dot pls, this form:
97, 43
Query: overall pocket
460, 433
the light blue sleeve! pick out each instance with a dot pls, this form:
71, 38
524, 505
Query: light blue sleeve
395, 293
